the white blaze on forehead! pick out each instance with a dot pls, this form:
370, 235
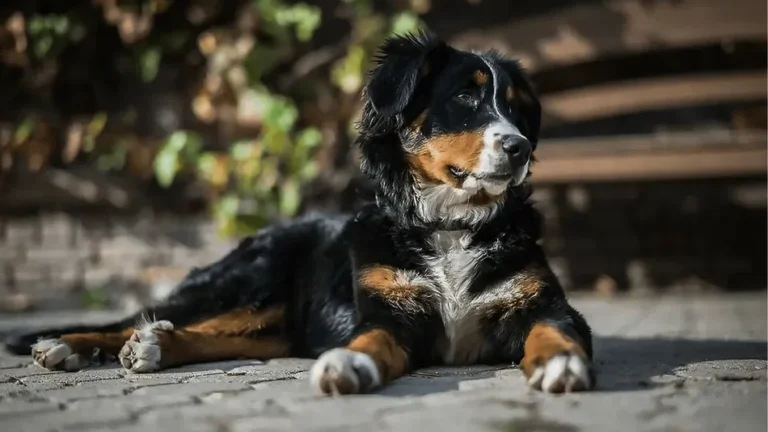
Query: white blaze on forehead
501, 126
496, 89
492, 155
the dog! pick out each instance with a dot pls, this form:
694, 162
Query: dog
442, 268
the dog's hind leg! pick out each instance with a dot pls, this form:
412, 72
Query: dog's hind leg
244, 333
72, 352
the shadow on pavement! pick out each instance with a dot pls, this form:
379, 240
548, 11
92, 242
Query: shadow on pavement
626, 364
638, 363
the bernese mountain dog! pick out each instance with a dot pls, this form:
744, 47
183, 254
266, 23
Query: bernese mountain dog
443, 268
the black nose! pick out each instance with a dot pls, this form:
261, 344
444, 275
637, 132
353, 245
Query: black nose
517, 147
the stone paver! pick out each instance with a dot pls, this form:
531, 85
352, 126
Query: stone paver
664, 364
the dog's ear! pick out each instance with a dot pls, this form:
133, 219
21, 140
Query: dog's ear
401, 62
530, 107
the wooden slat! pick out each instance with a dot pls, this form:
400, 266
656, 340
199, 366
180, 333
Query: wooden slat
566, 162
584, 31
652, 94
616, 144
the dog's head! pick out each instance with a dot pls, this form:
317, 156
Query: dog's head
458, 128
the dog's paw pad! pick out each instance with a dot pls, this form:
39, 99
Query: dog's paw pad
142, 353
342, 371
53, 354
564, 372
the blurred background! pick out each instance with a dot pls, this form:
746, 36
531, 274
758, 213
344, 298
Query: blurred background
140, 138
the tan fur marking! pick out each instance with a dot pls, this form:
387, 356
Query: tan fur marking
544, 342
85, 343
430, 163
219, 338
239, 322
182, 347
529, 283
391, 359
480, 78
384, 282
517, 293
510, 94
232, 335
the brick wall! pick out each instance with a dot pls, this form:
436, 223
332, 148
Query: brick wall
71, 261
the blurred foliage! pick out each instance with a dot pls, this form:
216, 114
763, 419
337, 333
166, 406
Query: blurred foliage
259, 98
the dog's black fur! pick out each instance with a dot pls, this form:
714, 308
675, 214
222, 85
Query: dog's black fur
313, 266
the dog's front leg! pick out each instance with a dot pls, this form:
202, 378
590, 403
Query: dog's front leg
558, 355
397, 325
373, 358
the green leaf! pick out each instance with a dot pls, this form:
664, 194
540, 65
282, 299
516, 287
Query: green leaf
24, 129
60, 24
276, 141
241, 150
361, 7
166, 166
260, 61
309, 138
305, 18
42, 45
290, 198
150, 63
405, 22
227, 207
348, 72
112, 160
97, 123
206, 164
308, 171
183, 140
225, 213
281, 114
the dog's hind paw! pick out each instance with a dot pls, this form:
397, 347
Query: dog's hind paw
142, 352
53, 354
343, 371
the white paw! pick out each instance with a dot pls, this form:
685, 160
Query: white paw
54, 354
563, 373
141, 353
343, 371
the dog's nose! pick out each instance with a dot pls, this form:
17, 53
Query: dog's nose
517, 148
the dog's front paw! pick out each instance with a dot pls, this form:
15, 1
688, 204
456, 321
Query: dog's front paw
343, 371
54, 354
142, 352
563, 372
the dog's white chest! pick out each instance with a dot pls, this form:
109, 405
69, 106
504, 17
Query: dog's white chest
453, 269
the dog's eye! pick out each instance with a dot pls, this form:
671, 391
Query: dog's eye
467, 98
457, 172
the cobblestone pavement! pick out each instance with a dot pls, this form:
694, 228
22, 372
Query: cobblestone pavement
664, 364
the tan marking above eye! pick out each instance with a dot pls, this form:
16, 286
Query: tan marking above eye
510, 94
480, 78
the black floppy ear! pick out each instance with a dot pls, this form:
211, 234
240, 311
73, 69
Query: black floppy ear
530, 107
401, 62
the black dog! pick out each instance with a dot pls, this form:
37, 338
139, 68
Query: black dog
443, 269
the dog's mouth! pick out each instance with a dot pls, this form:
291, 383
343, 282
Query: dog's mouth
497, 177
492, 183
